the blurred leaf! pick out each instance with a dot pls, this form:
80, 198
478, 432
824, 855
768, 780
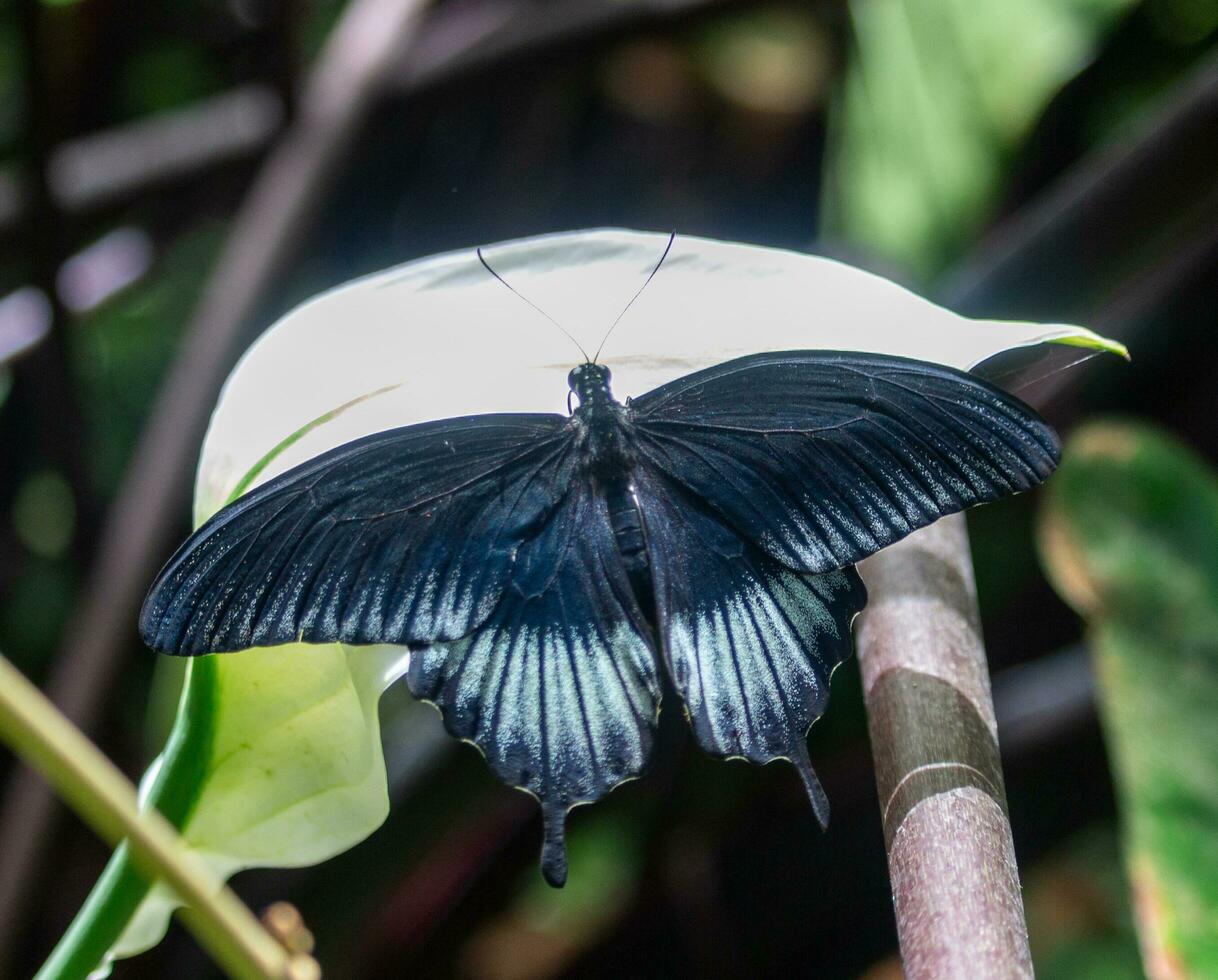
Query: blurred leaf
44, 513
1184, 21
1130, 539
936, 98
34, 608
1079, 920
166, 74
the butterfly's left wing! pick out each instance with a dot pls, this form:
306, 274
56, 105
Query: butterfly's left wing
821, 458
558, 687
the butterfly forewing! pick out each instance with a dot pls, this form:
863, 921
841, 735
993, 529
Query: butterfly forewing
404, 536
558, 688
823, 457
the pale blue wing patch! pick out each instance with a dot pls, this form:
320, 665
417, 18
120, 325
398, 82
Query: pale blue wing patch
558, 688
749, 643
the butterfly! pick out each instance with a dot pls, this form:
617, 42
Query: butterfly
546, 570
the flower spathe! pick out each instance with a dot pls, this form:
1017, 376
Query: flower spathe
446, 339
439, 337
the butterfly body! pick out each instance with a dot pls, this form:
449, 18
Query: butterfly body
608, 461
547, 571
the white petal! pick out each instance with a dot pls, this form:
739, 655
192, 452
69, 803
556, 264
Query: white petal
455, 342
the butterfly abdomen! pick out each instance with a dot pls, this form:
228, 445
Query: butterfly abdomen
609, 459
631, 543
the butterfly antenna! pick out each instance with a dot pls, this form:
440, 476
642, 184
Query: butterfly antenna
667, 249
487, 266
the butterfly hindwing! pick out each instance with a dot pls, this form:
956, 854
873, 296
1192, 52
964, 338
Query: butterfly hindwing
823, 457
749, 643
404, 536
558, 687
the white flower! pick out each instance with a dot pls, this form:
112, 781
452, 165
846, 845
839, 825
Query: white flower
447, 339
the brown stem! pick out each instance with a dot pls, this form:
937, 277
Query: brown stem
955, 884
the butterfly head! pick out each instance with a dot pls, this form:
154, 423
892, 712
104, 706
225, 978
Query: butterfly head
590, 382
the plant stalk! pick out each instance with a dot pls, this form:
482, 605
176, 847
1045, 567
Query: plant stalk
955, 883
106, 800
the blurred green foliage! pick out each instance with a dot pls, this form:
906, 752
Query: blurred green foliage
35, 608
1130, 539
936, 100
162, 74
44, 513
1079, 919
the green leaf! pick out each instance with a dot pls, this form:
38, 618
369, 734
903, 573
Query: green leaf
274, 760
1130, 539
291, 771
936, 100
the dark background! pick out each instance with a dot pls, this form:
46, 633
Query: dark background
725, 119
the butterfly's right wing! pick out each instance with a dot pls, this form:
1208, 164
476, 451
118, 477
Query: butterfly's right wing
406, 536
821, 458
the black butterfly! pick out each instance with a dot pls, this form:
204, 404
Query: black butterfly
541, 568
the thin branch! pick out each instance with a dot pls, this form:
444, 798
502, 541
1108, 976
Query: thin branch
106, 800
371, 37
473, 35
955, 884
94, 170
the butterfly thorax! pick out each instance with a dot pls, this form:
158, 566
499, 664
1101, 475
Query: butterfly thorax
602, 421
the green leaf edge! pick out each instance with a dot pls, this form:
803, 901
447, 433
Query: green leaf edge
1131, 446
255, 471
1090, 341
